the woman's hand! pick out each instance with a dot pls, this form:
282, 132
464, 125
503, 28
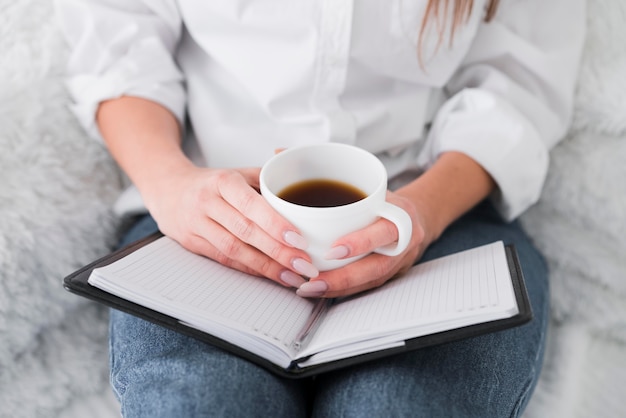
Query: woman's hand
451, 187
219, 213
374, 269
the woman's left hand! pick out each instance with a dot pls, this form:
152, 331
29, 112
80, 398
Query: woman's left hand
374, 269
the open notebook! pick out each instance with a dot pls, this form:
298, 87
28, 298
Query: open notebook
461, 295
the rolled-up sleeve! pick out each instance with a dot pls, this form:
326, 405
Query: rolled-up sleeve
121, 47
512, 98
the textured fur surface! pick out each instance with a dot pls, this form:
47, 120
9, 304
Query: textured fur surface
57, 187
580, 224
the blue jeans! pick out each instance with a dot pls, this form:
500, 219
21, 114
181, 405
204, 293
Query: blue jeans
156, 372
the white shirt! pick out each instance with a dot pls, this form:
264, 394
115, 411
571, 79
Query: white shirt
256, 75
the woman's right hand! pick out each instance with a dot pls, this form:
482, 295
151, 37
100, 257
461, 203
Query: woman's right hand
219, 213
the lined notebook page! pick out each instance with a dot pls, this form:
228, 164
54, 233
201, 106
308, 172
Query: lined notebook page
165, 277
441, 294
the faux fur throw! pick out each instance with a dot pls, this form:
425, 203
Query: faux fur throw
56, 188
602, 88
580, 222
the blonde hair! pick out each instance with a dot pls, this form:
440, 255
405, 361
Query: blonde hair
438, 11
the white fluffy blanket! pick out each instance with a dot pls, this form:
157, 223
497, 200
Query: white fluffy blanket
581, 221
56, 188
580, 224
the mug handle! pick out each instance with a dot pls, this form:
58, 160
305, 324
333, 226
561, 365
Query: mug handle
403, 223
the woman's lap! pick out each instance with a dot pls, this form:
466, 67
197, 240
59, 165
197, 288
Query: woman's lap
487, 376
157, 372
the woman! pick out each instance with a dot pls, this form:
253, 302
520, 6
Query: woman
461, 100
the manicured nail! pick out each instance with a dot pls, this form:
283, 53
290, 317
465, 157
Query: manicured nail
295, 240
292, 279
304, 267
337, 253
313, 289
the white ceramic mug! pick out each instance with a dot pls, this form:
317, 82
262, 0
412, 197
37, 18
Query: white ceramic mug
322, 226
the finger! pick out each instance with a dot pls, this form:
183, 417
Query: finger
251, 176
253, 206
370, 272
241, 256
367, 273
201, 246
380, 233
244, 232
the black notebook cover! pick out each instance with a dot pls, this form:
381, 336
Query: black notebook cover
77, 283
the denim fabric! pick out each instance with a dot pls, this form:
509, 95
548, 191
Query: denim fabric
158, 373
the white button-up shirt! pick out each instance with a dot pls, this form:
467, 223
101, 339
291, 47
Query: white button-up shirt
256, 75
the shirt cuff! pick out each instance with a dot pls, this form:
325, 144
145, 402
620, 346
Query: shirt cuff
499, 138
128, 77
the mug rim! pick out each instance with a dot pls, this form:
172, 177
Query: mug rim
268, 193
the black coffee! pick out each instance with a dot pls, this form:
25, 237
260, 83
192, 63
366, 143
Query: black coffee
321, 193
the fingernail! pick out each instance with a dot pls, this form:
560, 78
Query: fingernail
304, 267
292, 279
337, 253
313, 289
295, 240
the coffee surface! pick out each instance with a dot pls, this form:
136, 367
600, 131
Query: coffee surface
321, 193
